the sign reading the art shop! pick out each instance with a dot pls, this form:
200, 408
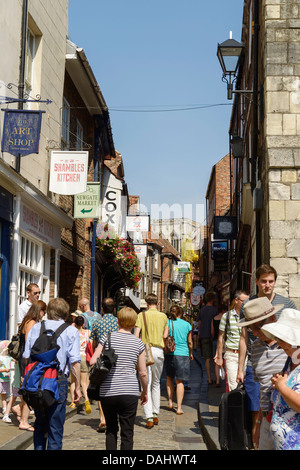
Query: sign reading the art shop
21, 132
68, 172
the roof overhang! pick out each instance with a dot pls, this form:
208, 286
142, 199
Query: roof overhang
78, 67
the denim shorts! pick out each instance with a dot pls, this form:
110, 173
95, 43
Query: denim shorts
178, 367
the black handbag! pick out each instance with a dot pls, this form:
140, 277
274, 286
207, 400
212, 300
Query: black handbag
104, 363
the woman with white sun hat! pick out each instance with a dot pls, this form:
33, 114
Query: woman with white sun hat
285, 424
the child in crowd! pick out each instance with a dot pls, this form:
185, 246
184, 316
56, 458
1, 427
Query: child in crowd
5, 366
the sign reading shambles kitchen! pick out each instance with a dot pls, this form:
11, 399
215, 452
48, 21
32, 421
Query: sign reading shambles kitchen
21, 132
68, 172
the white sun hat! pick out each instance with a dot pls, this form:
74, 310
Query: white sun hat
286, 328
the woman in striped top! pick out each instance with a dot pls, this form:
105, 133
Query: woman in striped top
119, 392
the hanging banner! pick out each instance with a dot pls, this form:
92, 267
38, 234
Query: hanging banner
86, 205
68, 172
137, 223
21, 132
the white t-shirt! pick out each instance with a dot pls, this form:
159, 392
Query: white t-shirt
23, 309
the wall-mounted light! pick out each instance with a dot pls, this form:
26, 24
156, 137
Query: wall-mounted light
237, 143
229, 53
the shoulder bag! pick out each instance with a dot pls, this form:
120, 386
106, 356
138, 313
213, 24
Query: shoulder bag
104, 363
170, 341
148, 352
15, 346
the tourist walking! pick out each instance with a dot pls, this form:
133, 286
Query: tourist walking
107, 324
48, 428
119, 391
157, 330
178, 362
285, 424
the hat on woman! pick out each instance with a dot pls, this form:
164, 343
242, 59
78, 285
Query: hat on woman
287, 327
257, 310
4, 346
76, 313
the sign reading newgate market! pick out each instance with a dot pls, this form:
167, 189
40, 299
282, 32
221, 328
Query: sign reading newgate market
21, 132
86, 205
68, 172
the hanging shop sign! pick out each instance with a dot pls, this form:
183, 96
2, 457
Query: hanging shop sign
219, 246
225, 228
21, 131
195, 299
68, 172
184, 267
137, 223
141, 250
87, 204
178, 277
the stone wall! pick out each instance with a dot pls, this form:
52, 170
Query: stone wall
281, 39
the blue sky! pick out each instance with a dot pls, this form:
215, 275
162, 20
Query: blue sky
152, 60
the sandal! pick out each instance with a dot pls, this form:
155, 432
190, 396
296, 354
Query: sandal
101, 428
29, 428
72, 405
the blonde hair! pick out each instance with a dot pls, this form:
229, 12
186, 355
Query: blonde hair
127, 317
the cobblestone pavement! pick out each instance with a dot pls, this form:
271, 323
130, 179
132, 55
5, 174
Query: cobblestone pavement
173, 433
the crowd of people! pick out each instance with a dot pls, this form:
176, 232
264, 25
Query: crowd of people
256, 341
257, 337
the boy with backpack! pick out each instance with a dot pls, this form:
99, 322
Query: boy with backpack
61, 355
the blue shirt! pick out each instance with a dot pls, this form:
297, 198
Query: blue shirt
180, 329
68, 341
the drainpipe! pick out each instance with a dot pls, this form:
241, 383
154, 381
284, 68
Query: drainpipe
93, 255
22, 66
255, 162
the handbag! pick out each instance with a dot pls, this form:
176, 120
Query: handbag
170, 342
14, 347
148, 351
89, 352
105, 362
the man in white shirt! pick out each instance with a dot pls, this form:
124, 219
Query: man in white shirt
33, 294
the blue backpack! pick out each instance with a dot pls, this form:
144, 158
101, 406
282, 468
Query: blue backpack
90, 320
40, 385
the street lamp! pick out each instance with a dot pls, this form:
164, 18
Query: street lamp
237, 146
229, 53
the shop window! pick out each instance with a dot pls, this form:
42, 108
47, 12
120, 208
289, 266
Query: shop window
30, 266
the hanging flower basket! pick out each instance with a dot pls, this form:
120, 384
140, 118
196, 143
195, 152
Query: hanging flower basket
121, 251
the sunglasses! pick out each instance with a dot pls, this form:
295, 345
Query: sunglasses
36, 293
257, 327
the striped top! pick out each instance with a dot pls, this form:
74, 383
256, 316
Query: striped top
233, 331
266, 361
277, 299
122, 379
